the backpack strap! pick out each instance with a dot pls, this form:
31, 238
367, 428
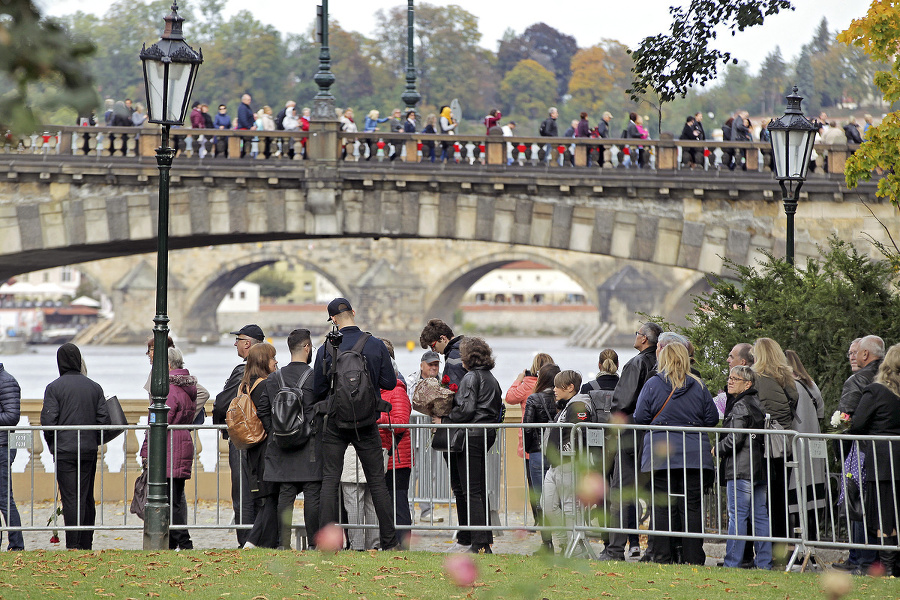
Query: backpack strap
595, 385
358, 346
280, 378
302, 379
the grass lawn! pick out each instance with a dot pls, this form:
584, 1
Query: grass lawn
263, 574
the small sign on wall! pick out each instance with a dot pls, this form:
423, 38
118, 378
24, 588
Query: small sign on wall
20, 439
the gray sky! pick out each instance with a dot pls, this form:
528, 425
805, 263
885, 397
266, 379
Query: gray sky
588, 21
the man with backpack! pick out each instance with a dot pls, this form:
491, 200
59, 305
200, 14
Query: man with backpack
293, 457
549, 128
351, 369
242, 501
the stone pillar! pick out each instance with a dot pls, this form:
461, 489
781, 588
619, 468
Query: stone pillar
150, 140
496, 153
324, 143
837, 159
667, 153
234, 146
581, 154
753, 159
412, 151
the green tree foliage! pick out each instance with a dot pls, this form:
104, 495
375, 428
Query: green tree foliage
672, 64
816, 311
272, 283
877, 34
34, 50
528, 89
543, 44
773, 83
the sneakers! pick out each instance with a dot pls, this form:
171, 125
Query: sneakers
606, 556
248, 546
634, 552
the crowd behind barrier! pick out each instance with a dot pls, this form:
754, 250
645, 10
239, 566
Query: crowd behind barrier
824, 524
381, 150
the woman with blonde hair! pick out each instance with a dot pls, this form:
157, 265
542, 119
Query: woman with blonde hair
878, 413
680, 463
778, 396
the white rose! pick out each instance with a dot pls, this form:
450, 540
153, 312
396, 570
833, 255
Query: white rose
836, 419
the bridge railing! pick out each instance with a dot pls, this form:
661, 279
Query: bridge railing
472, 150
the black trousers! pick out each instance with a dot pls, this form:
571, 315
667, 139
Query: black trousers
178, 538
241, 498
397, 481
367, 443
75, 478
469, 483
266, 528
287, 493
678, 496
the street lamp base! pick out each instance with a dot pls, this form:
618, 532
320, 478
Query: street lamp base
156, 527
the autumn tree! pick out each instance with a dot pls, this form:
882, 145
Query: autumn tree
877, 34
528, 89
543, 44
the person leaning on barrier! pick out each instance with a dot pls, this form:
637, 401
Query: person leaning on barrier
680, 463
429, 367
10, 408
294, 470
865, 359
242, 502
635, 374
182, 401
742, 469
878, 413
73, 400
540, 407
477, 401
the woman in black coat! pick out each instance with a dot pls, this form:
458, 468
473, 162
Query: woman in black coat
878, 413
478, 400
540, 407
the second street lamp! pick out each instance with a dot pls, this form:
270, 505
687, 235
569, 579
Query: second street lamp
170, 70
792, 136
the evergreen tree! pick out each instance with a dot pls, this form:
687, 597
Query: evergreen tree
805, 81
772, 82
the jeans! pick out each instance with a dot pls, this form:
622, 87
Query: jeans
367, 443
7, 502
75, 478
538, 466
747, 504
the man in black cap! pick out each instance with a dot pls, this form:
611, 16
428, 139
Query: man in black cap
429, 367
242, 500
364, 437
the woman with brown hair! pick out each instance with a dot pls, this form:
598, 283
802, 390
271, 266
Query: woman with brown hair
778, 397
476, 401
265, 532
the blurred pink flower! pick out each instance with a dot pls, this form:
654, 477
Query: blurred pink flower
461, 569
330, 538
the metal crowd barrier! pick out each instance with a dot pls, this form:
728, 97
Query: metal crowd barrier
806, 502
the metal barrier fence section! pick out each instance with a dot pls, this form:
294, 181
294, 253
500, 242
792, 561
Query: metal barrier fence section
606, 481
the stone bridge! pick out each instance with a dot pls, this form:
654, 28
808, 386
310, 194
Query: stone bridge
405, 238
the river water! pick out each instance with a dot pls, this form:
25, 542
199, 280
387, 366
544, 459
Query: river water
123, 371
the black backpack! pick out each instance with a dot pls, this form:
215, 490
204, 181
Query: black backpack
601, 402
355, 400
291, 428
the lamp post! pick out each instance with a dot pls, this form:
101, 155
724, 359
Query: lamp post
323, 103
410, 96
170, 70
792, 137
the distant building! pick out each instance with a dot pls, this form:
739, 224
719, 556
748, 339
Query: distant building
242, 298
525, 282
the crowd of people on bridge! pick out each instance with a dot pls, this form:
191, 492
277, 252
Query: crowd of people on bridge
353, 462
736, 128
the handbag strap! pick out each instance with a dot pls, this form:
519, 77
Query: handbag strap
664, 405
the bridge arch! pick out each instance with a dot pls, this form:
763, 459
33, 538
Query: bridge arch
461, 279
200, 320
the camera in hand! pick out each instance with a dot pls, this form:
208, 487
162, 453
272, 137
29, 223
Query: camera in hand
335, 337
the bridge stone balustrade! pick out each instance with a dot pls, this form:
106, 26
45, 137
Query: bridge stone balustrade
402, 236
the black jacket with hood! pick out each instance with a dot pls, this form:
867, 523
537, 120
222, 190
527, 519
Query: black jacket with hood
73, 400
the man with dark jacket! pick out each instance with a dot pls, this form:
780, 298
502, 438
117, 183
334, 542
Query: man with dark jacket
295, 470
364, 437
869, 354
635, 374
241, 498
245, 120
438, 337
73, 400
549, 128
10, 397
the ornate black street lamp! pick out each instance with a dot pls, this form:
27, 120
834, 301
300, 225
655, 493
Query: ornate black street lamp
323, 103
410, 96
793, 136
170, 70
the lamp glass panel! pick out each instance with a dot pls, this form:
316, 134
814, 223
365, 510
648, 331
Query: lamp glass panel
179, 86
798, 156
156, 78
809, 142
778, 143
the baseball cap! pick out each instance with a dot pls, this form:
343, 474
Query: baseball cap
431, 356
337, 306
253, 331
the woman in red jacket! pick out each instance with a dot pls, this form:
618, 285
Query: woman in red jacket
396, 440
